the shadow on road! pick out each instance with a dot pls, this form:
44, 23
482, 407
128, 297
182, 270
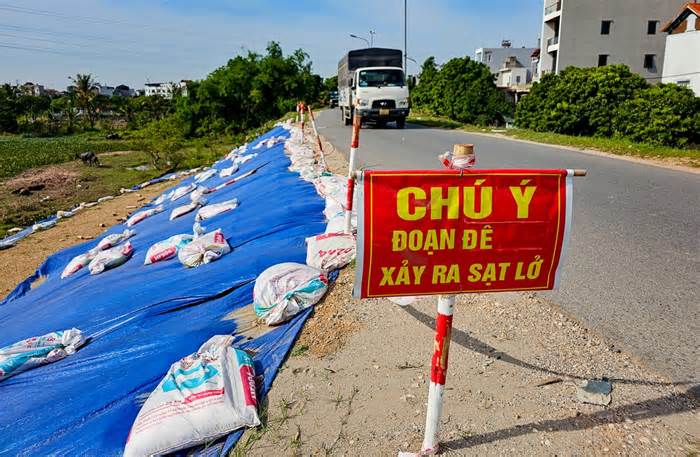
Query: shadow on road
663, 406
463, 339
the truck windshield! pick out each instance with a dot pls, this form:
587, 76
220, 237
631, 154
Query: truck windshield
378, 78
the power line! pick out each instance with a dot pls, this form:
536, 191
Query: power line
57, 15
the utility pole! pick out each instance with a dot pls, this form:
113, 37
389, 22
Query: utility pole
405, 37
371, 38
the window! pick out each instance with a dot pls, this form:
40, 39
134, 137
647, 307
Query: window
517, 80
684, 83
651, 27
605, 27
650, 61
602, 60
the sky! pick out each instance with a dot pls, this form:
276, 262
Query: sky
136, 41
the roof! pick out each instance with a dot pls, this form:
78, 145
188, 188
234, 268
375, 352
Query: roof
686, 10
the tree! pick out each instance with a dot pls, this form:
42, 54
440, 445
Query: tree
665, 114
420, 97
578, 101
65, 106
9, 109
33, 106
248, 91
463, 90
85, 90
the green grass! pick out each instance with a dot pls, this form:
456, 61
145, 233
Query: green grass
18, 153
429, 120
619, 146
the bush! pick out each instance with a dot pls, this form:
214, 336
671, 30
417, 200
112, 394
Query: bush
164, 139
462, 90
578, 101
663, 115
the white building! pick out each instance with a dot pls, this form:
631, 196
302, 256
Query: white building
166, 89
497, 58
588, 33
682, 59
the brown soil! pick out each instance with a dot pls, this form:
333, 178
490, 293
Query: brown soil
21, 261
52, 177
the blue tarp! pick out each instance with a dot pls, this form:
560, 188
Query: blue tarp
142, 318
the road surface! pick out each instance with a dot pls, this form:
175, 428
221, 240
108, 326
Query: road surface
632, 271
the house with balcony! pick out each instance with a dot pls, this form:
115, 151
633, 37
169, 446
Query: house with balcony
682, 58
506, 57
584, 33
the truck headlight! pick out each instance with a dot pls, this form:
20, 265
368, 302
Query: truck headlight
361, 102
403, 103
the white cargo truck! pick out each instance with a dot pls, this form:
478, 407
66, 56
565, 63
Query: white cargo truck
371, 83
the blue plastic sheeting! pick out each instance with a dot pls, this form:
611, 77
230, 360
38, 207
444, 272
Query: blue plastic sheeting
142, 318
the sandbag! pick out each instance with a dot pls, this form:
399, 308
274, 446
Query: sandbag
226, 172
111, 258
44, 225
240, 160
114, 239
203, 176
188, 208
39, 350
206, 395
331, 251
78, 263
163, 198
204, 249
141, 215
285, 289
167, 249
198, 194
210, 211
182, 191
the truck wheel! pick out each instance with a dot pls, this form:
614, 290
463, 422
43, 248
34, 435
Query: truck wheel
401, 122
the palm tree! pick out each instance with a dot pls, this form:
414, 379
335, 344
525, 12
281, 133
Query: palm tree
85, 90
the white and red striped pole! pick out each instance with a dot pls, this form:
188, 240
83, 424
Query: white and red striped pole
355, 143
438, 373
318, 138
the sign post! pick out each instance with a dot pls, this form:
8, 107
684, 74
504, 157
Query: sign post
426, 232
318, 138
355, 143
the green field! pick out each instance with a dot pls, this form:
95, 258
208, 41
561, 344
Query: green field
18, 153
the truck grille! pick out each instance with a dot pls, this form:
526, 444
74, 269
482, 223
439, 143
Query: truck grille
378, 104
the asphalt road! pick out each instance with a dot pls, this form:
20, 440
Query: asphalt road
632, 271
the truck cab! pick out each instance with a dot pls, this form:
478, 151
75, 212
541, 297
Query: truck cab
377, 90
381, 94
